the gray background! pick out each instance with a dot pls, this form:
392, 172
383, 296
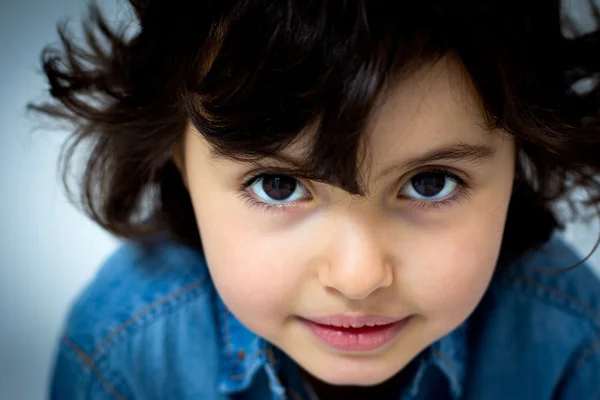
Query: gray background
48, 251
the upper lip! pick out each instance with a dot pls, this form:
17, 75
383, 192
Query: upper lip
353, 321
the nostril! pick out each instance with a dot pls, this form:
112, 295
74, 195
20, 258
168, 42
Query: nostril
356, 278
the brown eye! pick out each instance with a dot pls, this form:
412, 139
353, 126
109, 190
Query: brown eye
428, 184
277, 188
431, 185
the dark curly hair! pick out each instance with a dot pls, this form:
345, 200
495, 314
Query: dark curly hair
251, 75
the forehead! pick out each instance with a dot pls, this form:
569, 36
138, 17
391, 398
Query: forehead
435, 107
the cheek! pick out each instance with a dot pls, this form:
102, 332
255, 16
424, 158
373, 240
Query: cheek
451, 279
454, 274
252, 269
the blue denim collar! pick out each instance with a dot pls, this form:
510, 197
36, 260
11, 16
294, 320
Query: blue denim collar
449, 354
244, 354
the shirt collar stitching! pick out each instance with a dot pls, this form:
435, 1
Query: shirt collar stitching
237, 374
452, 363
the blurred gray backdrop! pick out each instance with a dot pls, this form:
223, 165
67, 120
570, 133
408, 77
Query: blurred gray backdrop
48, 251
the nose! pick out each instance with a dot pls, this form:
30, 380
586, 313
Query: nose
357, 266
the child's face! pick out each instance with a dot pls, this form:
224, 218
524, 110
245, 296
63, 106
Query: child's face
391, 254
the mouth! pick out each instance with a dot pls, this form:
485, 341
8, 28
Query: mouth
355, 333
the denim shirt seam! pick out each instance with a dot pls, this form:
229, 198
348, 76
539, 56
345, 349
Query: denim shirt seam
231, 374
88, 361
242, 376
591, 349
439, 357
150, 314
445, 358
570, 304
293, 393
229, 348
273, 376
262, 356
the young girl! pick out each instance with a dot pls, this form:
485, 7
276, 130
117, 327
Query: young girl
332, 199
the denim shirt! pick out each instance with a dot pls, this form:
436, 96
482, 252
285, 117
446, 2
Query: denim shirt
151, 326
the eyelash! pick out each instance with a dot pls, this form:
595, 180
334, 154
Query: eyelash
251, 202
461, 194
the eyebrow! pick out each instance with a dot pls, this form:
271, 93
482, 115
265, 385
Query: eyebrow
476, 154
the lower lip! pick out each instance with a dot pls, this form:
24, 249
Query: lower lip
355, 339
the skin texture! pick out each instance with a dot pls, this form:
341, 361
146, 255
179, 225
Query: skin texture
385, 254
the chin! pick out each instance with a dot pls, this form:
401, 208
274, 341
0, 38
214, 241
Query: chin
354, 377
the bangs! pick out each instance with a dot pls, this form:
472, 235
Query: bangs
284, 70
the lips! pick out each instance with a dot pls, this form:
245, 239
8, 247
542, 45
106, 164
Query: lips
355, 333
350, 321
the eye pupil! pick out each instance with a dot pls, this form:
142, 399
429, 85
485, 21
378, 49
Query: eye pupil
429, 184
279, 187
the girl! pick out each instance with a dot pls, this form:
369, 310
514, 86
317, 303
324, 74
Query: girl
332, 199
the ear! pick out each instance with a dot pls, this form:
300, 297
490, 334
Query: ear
178, 159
